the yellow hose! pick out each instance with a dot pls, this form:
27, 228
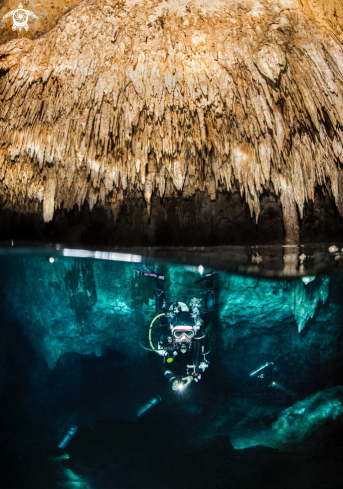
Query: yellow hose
150, 329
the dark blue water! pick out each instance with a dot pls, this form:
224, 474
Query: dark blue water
266, 410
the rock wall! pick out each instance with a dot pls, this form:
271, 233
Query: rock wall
169, 98
175, 222
304, 417
84, 306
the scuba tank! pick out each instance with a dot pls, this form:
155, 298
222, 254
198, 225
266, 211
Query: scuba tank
153, 402
61, 447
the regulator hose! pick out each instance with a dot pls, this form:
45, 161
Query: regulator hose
150, 329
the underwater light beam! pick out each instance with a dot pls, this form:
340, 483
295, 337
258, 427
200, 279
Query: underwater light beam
282, 388
252, 374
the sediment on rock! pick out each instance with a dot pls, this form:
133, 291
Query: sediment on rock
170, 98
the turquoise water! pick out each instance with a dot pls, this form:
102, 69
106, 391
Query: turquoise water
75, 352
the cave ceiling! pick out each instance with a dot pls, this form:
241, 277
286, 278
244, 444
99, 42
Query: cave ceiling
105, 99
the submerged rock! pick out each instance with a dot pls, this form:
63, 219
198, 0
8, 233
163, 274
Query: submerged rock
305, 300
306, 416
295, 424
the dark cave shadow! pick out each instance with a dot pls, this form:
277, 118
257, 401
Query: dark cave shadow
25, 460
154, 454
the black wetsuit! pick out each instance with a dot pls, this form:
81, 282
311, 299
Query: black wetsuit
196, 353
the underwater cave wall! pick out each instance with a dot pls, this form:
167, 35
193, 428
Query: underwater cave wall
87, 306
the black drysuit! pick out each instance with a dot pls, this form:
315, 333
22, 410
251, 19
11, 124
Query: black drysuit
184, 364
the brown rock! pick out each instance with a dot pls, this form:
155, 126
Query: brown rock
172, 97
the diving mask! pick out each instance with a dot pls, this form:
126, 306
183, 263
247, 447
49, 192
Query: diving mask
183, 333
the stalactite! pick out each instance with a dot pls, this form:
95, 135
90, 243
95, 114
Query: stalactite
305, 299
290, 216
261, 104
49, 197
116, 204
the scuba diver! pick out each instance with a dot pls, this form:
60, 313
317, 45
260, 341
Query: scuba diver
183, 341
268, 375
265, 373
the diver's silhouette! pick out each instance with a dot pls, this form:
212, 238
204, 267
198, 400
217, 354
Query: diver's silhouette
183, 342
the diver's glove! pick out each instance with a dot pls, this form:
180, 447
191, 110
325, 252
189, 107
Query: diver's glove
176, 385
180, 385
187, 380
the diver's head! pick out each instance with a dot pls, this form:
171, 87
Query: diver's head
183, 336
182, 326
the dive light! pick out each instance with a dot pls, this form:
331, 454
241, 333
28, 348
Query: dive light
255, 372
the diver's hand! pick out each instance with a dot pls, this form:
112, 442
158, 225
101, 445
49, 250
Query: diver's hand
181, 384
187, 380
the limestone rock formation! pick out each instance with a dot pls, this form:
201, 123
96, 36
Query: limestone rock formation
47, 14
305, 299
304, 417
86, 306
298, 422
169, 97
